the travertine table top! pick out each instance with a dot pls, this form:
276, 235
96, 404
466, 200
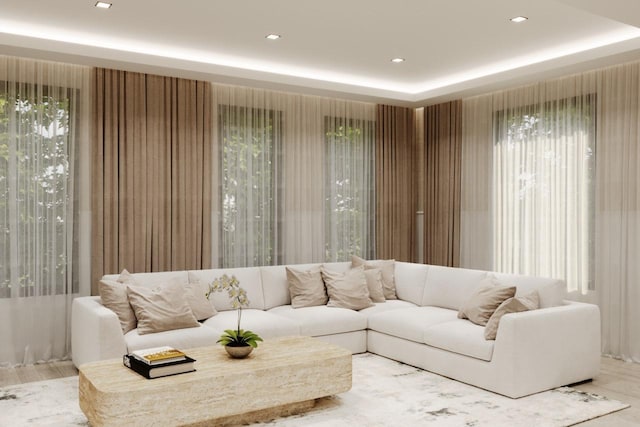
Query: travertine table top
279, 372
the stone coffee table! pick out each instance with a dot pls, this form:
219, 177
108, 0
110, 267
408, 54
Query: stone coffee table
281, 377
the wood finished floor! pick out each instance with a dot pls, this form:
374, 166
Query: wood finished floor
617, 380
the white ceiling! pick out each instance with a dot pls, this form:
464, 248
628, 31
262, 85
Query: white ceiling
452, 47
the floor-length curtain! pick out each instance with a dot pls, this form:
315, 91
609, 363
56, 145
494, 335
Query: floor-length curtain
274, 199
617, 244
151, 177
43, 142
396, 200
443, 147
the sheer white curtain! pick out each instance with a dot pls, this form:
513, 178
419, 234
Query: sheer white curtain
495, 174
275, 200
528, 192
43, 135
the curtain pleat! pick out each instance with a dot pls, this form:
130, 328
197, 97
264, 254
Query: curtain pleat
396, 200
443, 145
152, 174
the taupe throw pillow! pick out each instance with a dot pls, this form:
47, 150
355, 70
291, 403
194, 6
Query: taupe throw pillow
347, 290
387, 267
511, 305
374, 283
195, 294
161, 308
113, 294
481, 305
306, 287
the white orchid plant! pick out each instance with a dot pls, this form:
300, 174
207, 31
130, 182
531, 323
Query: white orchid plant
238, 297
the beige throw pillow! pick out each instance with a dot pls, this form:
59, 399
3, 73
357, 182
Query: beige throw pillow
161, 308
511, 305
347, 290
481, 305
306, 287
195, 294
374, 283
387, 267
113, 294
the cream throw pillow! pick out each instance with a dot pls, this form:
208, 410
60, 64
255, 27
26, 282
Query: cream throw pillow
347, 290
306, 287
113, 294
511, 305
387, 267
161, 308
374, 283
195, 294
481, 305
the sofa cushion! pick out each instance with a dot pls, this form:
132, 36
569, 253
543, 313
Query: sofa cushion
551, 292
182, 339
410, 281
512, 305
392, 304
449, 287
460, 336
195, 294
409, 323
479, 307
151, 279
374, 284
161, 308
249, 278
265, 324
113, 294
323, 320
387, 267
347, 290
306, 287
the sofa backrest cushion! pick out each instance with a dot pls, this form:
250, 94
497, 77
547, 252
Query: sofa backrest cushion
152, 279
249, 278
410, 281
448, 287
551, 292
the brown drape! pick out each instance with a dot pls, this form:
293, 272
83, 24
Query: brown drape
395, 183
443, 145
151, 201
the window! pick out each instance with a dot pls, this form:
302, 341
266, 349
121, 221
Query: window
349, 188
250, 177
543, 190
37, 212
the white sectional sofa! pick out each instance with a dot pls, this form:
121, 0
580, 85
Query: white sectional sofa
537, 350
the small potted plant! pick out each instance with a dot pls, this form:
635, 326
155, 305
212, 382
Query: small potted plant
237, 342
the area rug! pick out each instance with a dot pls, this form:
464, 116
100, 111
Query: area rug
384, 393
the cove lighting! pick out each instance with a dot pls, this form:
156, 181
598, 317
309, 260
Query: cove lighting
397, 60
103, 5
518, 19
272, 36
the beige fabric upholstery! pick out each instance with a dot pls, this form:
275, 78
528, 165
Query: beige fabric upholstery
511, 305
347, 290
387, 267
375, 285
481, 305
306, 287
201, 307
113, 294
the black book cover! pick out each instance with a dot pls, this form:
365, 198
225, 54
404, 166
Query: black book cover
157, 371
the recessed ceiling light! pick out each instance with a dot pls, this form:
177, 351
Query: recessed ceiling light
518, 19
103, 5
272, 36
397, 60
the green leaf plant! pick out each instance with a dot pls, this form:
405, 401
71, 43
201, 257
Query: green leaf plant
238, 296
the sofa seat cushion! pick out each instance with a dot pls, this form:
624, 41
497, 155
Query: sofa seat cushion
392, 304
265, 324
460, 336
410, 323
182, 339
323, 320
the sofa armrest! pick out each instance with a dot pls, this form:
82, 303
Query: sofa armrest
96, 333
549, 347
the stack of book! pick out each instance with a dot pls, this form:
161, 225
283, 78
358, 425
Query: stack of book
158, 362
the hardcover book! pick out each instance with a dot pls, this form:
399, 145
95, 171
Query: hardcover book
157, 371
